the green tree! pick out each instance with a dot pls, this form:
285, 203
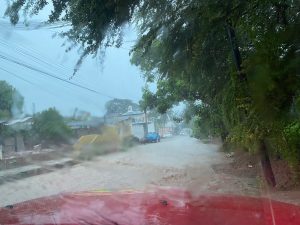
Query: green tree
11, 101
49, 125
149, 100
119, 106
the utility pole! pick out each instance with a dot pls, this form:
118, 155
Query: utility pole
146, 123
33, 109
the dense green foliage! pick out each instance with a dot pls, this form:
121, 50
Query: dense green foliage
49, 125
239, 58
243, 100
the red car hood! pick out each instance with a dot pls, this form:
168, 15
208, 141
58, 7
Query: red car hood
163, 207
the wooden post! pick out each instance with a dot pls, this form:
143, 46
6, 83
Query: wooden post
266, 164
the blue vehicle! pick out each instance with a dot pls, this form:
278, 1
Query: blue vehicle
151, 137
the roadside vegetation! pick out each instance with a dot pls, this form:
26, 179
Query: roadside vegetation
49, 126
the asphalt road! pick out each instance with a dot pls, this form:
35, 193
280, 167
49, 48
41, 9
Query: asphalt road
178, 162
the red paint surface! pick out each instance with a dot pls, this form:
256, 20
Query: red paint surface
163, 207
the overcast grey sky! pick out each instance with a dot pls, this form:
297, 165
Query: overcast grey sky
116, 77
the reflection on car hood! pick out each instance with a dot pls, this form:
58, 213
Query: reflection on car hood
163, 206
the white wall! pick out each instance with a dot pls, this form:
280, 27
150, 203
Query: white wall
151, 127
138, 130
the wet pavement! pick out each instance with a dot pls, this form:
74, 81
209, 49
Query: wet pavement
174, 162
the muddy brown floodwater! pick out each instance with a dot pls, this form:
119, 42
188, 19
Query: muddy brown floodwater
174, 162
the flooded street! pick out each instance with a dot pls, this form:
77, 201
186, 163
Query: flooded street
178, 162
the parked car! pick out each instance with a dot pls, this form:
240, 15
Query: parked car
151, 137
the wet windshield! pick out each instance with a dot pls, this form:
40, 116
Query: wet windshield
198, 96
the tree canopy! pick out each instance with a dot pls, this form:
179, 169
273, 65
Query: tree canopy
49, 125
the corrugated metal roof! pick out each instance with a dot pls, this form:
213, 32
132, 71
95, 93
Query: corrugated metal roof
88, 123
15, 121
3, 121
132, 113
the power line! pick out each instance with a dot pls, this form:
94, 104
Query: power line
54, 76
35, 25
43, 88
36, 56
25, 80
15, 75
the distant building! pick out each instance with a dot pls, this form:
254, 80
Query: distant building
131, 123
93, 125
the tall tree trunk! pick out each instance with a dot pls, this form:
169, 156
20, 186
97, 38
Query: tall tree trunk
234, 47
236, 52
146, 123
266, 164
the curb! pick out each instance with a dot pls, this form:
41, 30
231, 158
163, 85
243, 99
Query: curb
33, 170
